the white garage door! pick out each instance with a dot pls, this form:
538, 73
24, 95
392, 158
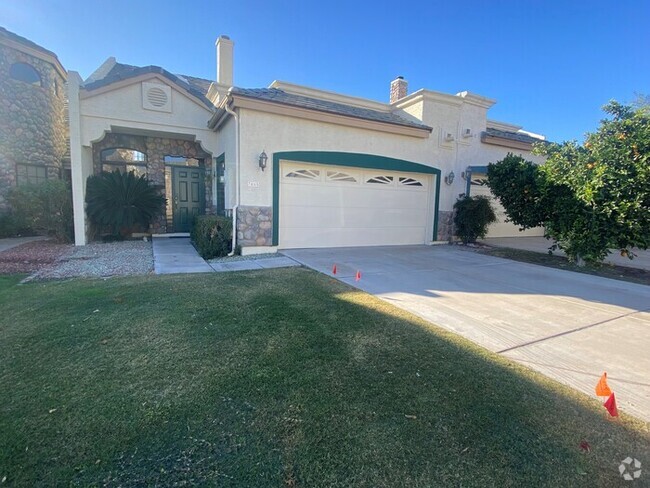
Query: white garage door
331, 206
500, 228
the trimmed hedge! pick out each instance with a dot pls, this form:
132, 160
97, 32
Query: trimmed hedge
472, 218
212, 235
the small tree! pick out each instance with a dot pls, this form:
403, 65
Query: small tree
45, 208
591, 197
122, 201
473, 216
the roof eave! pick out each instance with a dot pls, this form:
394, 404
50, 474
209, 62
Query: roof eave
244, 101
506, 142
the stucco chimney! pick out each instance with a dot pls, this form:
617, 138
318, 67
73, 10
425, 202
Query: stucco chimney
398, 89
224, 60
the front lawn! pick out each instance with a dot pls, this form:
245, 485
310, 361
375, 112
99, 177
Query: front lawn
275, 378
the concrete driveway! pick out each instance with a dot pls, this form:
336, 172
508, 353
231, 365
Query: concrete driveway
569, 326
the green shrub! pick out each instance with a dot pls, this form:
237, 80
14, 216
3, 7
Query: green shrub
122, 202
212, 235
12, 226
472, 218
44, 208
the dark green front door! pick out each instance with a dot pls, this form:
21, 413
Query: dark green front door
189, 196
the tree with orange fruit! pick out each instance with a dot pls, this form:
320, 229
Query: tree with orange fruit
591, 197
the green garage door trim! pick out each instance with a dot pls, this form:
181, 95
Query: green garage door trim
353, 160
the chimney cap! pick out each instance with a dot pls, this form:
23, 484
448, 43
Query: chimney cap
400, 78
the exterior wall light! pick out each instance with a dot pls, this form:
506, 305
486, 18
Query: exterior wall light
262, 160
449, 179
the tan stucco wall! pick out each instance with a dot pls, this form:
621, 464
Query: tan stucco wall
275, 133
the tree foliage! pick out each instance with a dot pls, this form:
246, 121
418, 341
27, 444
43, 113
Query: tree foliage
472, 217
591, 197
44, 208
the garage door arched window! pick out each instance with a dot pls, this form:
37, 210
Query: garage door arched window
26, 73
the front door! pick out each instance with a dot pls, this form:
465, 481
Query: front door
188, 195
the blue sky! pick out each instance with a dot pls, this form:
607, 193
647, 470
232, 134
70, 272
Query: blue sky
550, 64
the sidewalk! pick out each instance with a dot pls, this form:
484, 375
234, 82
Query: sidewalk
10, 242
178, 255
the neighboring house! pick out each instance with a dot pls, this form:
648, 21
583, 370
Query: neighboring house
33, 126
294, 166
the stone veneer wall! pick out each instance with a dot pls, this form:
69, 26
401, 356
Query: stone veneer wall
33, 128
156, 148
446, 225
254, 226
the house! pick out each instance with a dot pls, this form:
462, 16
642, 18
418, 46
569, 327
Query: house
33, 126
294, 166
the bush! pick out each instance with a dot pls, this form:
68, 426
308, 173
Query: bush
44, 208
12, 226
212, 235
122, 202
472, 218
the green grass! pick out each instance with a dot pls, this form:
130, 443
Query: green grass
275, 378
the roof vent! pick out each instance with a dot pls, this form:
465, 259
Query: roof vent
157, 97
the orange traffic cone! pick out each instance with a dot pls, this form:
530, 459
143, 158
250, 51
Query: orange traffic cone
602, 388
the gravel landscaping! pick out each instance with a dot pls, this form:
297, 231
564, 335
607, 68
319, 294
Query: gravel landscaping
101, 260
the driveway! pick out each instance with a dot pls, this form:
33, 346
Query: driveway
569, 326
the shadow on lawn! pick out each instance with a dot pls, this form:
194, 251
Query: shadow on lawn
279, 378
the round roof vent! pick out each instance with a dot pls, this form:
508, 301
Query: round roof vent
156, 97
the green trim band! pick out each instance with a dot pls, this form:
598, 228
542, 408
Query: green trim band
353, 160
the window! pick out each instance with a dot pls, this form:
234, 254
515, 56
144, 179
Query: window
124, 160
30, 174
220, 166
183, 161
380, 180
409, 181
26, 73
339, 176
304, 173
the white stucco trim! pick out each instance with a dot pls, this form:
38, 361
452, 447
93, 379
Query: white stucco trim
79, 164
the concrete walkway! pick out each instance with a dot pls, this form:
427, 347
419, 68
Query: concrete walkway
178, 255
541, 245
10, 242
568, 326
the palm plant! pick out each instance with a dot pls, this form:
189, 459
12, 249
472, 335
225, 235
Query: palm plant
122, 201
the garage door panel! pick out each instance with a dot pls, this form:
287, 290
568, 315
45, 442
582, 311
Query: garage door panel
334, 206
323, 237
358, 197
301, 217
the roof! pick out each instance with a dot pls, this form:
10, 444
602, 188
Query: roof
15, 37
198, 87
45, 54
513, 136
276, 95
